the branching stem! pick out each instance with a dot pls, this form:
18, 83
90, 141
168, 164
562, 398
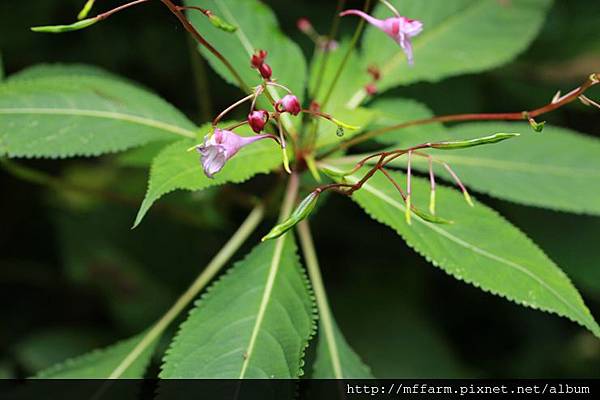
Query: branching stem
592, 80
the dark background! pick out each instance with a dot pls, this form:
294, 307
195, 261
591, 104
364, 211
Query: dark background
73, 276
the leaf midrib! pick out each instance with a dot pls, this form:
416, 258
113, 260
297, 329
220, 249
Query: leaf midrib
134, 119
273, 269
470, 246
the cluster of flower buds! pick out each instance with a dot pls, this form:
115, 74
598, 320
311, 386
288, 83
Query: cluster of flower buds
257, 61
222, 144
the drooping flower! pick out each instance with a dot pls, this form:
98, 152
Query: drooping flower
257, 120
399, 28
289, 103
221, 146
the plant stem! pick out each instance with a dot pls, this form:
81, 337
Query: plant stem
107, 14
338, 73
592, 80
213, 267
190, 28
314, 272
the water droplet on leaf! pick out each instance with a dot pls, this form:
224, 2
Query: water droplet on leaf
339, 131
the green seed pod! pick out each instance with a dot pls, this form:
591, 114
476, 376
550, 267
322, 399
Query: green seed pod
84, 23
222, 25
461, 144
430, 217
86, 9
337, 174
302, 211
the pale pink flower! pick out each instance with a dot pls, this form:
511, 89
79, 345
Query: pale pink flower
221, 146
401, 29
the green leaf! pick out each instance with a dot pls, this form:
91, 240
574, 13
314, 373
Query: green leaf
394, 111
100, 364
177, 168
554, 169
257, 29
341, 94
459, 37
350, 364
253, 323
62, 70
61, 116
480, 248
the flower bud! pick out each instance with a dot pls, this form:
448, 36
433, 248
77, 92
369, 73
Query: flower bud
371, 89
265, 71
289, 103
257, 120
258, 58
304, 25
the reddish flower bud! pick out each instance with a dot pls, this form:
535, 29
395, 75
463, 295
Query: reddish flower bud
314, 106
304, 25
265, 71
257, 120
258, 58
290, 104
371, 89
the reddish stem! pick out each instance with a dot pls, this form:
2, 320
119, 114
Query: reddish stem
107, 14
196, 35
592, 80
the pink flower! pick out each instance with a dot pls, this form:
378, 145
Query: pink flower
257, 120
221, 146
289, 103
401, 29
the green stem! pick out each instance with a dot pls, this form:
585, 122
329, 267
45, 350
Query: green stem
357, 34
325, 317
332, 33
215, 265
